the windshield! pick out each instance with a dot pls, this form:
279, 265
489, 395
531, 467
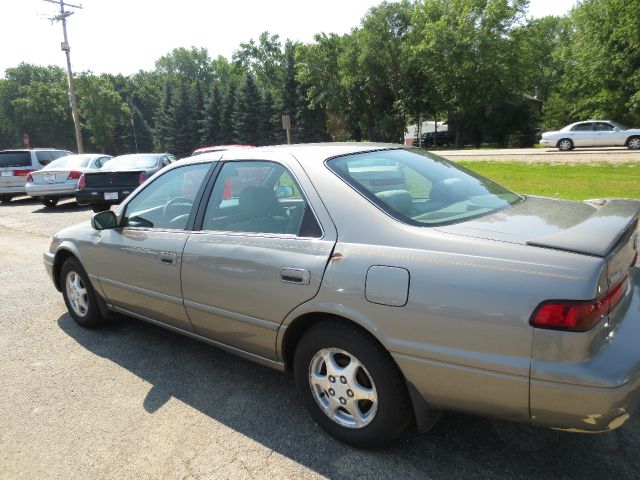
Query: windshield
421, 189
15, 159
127, 162
70, 161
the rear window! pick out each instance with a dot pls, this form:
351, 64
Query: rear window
45, 157
70, 161
133, 162
421, 189
15, 159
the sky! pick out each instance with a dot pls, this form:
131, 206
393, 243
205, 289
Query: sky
124, 36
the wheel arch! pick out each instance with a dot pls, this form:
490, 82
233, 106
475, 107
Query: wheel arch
424, 417
62, 254
626, 142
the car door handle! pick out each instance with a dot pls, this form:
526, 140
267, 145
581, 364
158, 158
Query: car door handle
168, 260
295, 275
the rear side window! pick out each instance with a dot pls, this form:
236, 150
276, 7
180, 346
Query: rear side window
15, 159
44, 158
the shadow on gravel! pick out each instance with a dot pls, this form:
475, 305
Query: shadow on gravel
65, 205
262, 404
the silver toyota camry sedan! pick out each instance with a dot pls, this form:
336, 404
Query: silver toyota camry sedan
391, 293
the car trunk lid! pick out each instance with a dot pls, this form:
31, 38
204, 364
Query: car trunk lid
113, 179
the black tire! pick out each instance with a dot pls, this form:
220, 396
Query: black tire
565, 145
393, 412
633, 143
100, 207
5, 198
49, 202
90, 318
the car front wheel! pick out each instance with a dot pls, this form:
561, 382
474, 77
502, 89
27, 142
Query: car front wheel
565, 145
79, 295
634, 143
351, 385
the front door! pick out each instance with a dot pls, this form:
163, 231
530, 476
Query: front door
606, 135
260, 253
139, 267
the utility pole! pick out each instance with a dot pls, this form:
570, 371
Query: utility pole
65, 47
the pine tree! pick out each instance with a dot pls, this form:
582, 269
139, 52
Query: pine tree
211, 132
246, 118
197, 114
227, 116
269, 124
163, 120
180, 139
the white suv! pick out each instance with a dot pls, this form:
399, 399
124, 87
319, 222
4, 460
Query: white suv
15, 165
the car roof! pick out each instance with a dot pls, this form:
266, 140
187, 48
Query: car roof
301, 151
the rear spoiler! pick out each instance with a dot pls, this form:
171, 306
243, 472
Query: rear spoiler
599, 233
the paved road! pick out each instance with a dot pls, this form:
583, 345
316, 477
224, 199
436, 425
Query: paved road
135, 401
545, 155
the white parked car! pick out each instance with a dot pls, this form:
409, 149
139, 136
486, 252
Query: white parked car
592, 133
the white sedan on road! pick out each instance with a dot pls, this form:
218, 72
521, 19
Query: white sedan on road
593, 133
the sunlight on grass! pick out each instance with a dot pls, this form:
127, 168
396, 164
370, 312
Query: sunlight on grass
573, 182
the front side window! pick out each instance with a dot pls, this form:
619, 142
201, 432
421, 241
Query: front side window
167, 202
258, 197
603, 127
421, 189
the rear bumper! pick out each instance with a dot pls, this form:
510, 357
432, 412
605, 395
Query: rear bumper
93, 196
52, 190
598, 394
12, 190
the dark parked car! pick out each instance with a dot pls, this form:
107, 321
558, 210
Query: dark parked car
442, 139
118, 178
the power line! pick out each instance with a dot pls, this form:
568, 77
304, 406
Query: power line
62, 17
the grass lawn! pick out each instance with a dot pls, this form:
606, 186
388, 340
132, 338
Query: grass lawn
573, 182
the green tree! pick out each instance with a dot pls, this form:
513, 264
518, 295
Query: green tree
269, 126
180, 139
102, 110
211, 132
246, 117
227, 125
164, 122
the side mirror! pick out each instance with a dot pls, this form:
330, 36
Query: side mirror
284, 191
616, 129
104, 220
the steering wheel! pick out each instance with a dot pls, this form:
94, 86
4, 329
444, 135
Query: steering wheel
175, 207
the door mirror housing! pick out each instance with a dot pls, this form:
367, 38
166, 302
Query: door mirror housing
104, 220
284, 191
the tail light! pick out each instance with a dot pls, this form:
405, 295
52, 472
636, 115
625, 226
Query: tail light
82, 183
142, 178
578, 316
73, 175
30, 178
21, 173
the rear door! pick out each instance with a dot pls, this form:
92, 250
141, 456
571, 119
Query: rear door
262, 250
582, 135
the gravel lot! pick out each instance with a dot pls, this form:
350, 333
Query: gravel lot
135, 401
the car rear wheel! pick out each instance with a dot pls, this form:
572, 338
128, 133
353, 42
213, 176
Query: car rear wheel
50, 202
99, 207
79, 295
634, 143
350, 385
565, 145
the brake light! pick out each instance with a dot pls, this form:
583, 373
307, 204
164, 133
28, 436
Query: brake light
73, 175
142, 178
578, 316
82, 183
21, 173
30, 178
